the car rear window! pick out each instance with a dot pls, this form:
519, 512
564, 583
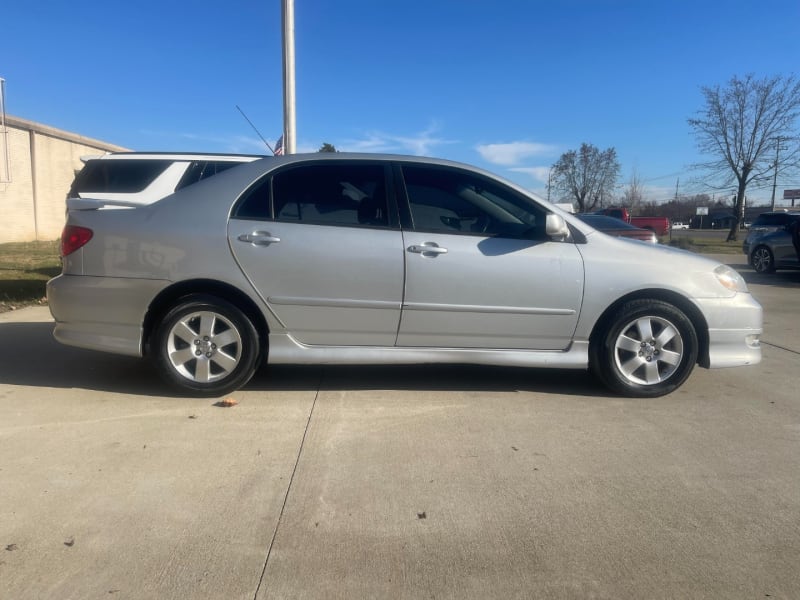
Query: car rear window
772, 220
200, 169
117, 176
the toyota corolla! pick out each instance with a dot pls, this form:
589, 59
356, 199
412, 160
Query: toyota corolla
374, 259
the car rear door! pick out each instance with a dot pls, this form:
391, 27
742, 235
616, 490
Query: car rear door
480, 272
322, 247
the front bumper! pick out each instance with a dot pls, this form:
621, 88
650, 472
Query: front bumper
735, 326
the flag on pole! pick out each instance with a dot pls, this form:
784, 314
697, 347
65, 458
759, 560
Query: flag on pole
279, 147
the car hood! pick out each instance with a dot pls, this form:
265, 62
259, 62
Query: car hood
651, 266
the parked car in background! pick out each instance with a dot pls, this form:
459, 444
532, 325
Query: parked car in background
768, 244
374, 259
679, 225
134, 178
658, 225
618, 228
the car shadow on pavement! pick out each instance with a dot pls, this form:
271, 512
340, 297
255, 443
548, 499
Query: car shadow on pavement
426, 377
29, 356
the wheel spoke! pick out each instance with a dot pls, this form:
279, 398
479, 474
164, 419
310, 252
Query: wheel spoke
207, 322
224, 361
645, 328
202, 371
652, 374
666, 336
628, 343
669, 357
183, 332
229, 336
629, 367
180, 357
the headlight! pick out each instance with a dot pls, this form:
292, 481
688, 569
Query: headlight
730, 278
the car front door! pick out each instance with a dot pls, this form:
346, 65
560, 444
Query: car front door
480, 271
324, 250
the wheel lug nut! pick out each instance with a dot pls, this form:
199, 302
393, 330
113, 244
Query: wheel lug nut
208, 355
198, 353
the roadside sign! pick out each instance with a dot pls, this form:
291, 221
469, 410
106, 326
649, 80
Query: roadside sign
791, 194
702, 210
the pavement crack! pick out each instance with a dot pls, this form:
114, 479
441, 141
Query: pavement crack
289, 486
780, 347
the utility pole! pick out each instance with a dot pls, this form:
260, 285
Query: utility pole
775, 174
677, 183
289, 118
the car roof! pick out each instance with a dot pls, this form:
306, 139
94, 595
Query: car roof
175, 156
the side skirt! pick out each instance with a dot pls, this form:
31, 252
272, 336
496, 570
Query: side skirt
283, 349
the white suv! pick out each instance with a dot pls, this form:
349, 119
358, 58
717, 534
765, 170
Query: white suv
136, 178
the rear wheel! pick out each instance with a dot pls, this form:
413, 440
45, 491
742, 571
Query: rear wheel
647, 349
762, 260
206, 346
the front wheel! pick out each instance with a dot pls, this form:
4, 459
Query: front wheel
762, 260
206, 346
648, 349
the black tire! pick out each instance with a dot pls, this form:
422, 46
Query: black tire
762, 260
205, 346
647, 349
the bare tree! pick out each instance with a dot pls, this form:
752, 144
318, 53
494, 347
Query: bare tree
633, 194
741, 126
586, 176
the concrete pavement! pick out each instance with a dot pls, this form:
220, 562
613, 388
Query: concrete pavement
397, 482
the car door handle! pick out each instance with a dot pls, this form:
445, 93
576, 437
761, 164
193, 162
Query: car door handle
259, 238
428, 249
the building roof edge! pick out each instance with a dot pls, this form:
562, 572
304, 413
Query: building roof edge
68, 136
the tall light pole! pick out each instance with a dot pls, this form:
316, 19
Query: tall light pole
775, 175
289, 120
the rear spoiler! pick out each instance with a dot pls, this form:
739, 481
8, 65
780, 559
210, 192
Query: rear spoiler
94, 204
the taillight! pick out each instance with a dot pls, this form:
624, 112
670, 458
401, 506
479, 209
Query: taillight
74, 237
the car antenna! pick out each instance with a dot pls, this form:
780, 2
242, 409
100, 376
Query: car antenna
256, 130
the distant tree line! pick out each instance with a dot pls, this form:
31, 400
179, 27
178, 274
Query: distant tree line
747, 129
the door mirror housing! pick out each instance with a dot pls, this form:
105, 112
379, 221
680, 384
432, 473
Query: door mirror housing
556, 228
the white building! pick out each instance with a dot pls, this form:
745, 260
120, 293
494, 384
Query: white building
37, 166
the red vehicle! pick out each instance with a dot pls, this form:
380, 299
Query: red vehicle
618, 228
658, 225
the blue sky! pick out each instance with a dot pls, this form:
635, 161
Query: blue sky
507, 85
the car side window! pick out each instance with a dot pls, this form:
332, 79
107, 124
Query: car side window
254, 203
453, 201
332, 194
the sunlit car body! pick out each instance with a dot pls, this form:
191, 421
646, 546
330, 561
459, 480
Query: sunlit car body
371, 259
618, 228
768, 244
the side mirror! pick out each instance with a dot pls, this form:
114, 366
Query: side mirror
556, 228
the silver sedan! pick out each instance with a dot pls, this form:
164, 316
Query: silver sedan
372, 259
